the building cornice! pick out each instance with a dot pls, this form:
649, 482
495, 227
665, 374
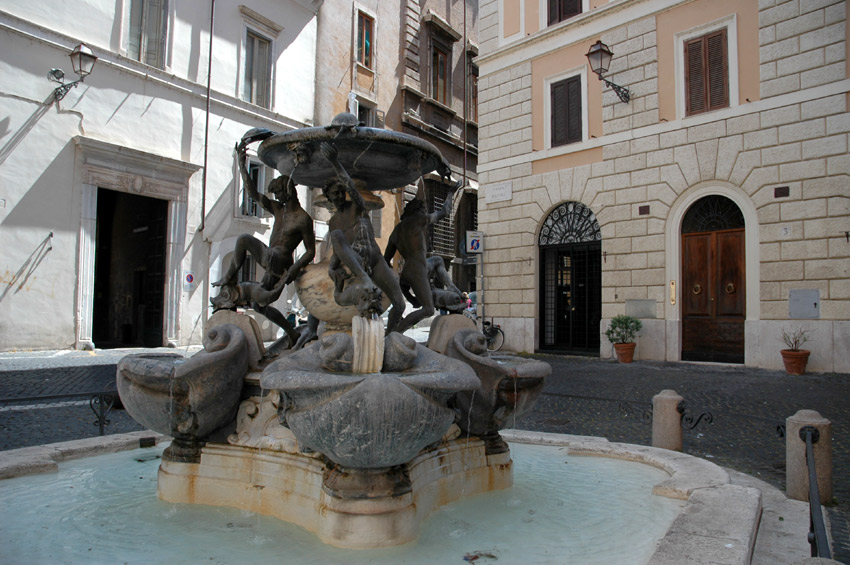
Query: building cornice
589, 25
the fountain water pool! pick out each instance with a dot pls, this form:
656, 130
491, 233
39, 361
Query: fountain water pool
561, 509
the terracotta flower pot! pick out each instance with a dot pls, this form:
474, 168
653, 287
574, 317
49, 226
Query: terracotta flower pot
625, 351
795, 361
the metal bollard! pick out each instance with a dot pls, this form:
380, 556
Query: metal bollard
667, 420
796, 471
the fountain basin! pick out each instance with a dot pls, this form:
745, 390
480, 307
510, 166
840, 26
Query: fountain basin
112, 513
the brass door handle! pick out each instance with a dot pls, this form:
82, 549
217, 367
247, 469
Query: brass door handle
730, 288
697, 289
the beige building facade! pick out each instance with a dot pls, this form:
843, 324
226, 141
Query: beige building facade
714, 204
407, 66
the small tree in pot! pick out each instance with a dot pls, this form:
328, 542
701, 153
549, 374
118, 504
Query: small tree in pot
794, 358
621, 333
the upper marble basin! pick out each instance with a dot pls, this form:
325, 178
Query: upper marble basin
376, 159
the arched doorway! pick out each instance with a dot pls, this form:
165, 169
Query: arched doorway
713, 281
570, 243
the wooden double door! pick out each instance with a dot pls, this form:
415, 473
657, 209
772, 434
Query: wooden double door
713, 296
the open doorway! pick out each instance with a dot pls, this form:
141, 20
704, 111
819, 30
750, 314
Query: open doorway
130, 260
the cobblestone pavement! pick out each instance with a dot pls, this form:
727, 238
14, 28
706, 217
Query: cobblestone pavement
583, 396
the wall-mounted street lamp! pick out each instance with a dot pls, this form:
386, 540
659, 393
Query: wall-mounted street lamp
599, 57
82, 61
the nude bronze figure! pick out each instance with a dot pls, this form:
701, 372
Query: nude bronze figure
292, 226
354, 248
409, 238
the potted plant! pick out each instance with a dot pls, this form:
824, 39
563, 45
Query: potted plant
793, 357
621, 333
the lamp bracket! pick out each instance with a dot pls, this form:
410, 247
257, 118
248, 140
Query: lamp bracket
623, 92
60, 91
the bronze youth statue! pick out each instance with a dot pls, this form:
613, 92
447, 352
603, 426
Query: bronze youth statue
409, 238
292, 226
354, 247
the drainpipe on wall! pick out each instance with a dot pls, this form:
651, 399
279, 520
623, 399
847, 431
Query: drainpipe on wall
207, 124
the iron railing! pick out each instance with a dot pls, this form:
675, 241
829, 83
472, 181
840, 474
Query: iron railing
817, 528
101, 403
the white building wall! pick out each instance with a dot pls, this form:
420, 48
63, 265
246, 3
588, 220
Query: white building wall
127, 105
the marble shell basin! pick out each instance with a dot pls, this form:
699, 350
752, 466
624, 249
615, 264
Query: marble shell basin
369, 420
186, 398
510, 385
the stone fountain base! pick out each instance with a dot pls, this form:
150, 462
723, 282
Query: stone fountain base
301, 489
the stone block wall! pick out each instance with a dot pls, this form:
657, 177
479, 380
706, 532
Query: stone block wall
801, 44
799, 141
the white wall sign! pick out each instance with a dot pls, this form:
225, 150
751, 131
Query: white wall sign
474, 242
499, 192
189, 283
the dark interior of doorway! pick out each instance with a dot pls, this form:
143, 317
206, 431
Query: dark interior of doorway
129, 280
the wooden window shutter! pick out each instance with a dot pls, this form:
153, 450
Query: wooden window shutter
706, 73
718, 71
573, 110
566, 111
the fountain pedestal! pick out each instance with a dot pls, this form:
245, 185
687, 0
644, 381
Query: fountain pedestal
299, 488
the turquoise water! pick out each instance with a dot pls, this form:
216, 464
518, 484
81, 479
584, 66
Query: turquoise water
561, 509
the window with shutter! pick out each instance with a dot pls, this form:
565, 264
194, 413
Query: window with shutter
706, 73
147, 31
257, 76
560, 10
566, 111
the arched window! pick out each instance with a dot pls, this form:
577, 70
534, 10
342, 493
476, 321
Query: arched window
712, 213
571, 222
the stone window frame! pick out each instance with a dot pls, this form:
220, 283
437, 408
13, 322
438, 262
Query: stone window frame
263, 29
730, 23
442, 36
547, 106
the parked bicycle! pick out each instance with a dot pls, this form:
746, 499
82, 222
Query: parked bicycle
493, 333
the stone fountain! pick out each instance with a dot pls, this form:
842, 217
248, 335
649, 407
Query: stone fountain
361, 434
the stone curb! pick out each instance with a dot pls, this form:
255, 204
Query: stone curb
46, 458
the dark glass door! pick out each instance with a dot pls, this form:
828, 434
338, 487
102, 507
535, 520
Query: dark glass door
571, 308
